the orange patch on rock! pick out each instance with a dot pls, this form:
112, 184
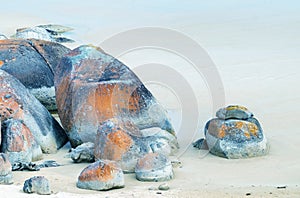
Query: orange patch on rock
247, 135
1, 63
118, 143
98, 171
147, 161
20, 139
239, 125
222, 131
253, 129
9, 107
110, 100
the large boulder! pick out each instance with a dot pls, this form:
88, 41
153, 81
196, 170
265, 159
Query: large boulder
27, 127
235, 133
101, 175
92, 87
33, 62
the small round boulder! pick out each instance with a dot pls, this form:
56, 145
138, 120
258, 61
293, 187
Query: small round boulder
154, 167
101, 175
37, 184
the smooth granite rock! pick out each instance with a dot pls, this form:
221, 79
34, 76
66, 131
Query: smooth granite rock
92, 86
237, 135
37, 184
26, 126
83, 153
101, 175
123, 142
5, 170
33, 63
154, 167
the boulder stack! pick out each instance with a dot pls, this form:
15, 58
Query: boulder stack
235, 133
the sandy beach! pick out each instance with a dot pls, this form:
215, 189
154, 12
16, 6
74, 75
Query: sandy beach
254, 46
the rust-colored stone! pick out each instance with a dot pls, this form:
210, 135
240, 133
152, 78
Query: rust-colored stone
101, 175
98, 171
113, 140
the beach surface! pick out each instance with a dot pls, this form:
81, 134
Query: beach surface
255, 48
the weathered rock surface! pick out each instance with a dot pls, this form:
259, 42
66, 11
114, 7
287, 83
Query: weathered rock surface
83, 153
101, 175
19, 143
37, 184
50, 32
123, 142
27, 127
5, 170
20, 166
235, 112
154, 167
33, 63
237, 134
92, 86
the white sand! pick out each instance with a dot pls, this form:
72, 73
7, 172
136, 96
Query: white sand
255, 46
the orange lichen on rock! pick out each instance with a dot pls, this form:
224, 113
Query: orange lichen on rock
98, 171
147, 161
20, 139
233, 107
253, 129
9, 106
110, 100
1, 63
117, 144
239, 125
222, 131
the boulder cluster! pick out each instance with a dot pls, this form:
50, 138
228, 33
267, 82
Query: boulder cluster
110, 118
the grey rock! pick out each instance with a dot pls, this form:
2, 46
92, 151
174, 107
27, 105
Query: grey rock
20, 166
83, 153
234, 111
5, 170
37, 184
154, 167
163, 186
33, 166
200, 144
48, 163
101, 175
236, 138
44, 32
